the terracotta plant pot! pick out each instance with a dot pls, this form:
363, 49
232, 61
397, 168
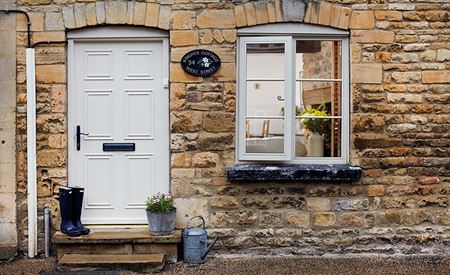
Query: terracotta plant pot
161, 223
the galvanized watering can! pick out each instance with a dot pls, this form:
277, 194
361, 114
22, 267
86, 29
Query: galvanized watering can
196, 243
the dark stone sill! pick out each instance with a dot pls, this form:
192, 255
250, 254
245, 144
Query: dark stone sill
294, 172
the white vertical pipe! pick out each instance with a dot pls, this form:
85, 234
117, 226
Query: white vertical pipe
31, 153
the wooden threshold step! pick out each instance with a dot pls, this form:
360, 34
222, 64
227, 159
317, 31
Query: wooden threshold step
121, 260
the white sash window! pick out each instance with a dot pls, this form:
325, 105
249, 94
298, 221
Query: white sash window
293, 94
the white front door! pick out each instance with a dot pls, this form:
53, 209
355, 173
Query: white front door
119, 100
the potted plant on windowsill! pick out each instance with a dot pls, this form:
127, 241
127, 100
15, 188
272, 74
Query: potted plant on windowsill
316, 128
161, 214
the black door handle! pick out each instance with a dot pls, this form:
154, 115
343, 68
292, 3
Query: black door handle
79, 133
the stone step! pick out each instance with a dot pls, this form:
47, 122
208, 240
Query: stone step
134, 261
115, 242
118, 236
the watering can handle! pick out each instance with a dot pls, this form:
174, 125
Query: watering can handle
187, 225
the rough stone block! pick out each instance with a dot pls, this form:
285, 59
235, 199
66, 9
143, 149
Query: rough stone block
335, 14
218, 122
54, 21
318, 204
177, 96
366, 73
69, 17
183, 38
100, 12
350, 220
164, 17
261, 13
49, 74
388, 15
188, 208
209, 19
224, 202
375, 190
51, 158
325, 13
406, 77
271, 16
58, 99
443, 55
187, 121
80, 15
37, 22
229, 36
344, 18
362, 20
297, 219
278, 12
239, 14
116, 12
205, 159
139, 13
324, 219
130, 13
315, 12
250, 14
177, 74
91, 16
183, 20
375, 36
152, 15
216, 142
436, 76
293, 10
181, 160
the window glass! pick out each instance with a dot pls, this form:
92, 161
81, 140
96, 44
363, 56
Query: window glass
265, 98
318, 93
319, 59
265, 60
264, 136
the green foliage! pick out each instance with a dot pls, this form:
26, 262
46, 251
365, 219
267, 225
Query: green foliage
160, 203
315, 125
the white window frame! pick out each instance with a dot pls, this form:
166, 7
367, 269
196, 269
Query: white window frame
289, 33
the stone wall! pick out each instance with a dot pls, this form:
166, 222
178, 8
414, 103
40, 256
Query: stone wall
8, 230
400, 123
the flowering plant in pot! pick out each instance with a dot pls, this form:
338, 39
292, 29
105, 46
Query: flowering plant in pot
161, 214
317, 128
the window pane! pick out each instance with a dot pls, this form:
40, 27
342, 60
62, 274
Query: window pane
316, 137
318, 59
265, 60
265, 98
313, 94
264, 136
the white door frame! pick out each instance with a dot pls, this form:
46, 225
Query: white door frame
110, 33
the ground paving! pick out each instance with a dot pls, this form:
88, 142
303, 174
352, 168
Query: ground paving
245, 264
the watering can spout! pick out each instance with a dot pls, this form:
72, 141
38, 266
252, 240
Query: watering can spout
210, 245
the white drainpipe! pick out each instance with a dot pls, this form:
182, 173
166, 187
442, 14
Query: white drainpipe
31, 153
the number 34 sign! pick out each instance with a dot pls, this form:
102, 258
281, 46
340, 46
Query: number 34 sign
200, 62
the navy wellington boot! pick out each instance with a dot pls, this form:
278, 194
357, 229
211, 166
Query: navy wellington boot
65, 206
77, 205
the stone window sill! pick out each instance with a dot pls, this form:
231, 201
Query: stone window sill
294, 172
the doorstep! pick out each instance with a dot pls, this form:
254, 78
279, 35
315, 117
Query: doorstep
116, 242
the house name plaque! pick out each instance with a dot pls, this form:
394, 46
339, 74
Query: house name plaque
200, 62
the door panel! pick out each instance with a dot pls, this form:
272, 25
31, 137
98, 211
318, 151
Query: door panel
117, 96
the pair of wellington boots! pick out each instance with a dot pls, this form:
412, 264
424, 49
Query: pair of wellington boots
70, 204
